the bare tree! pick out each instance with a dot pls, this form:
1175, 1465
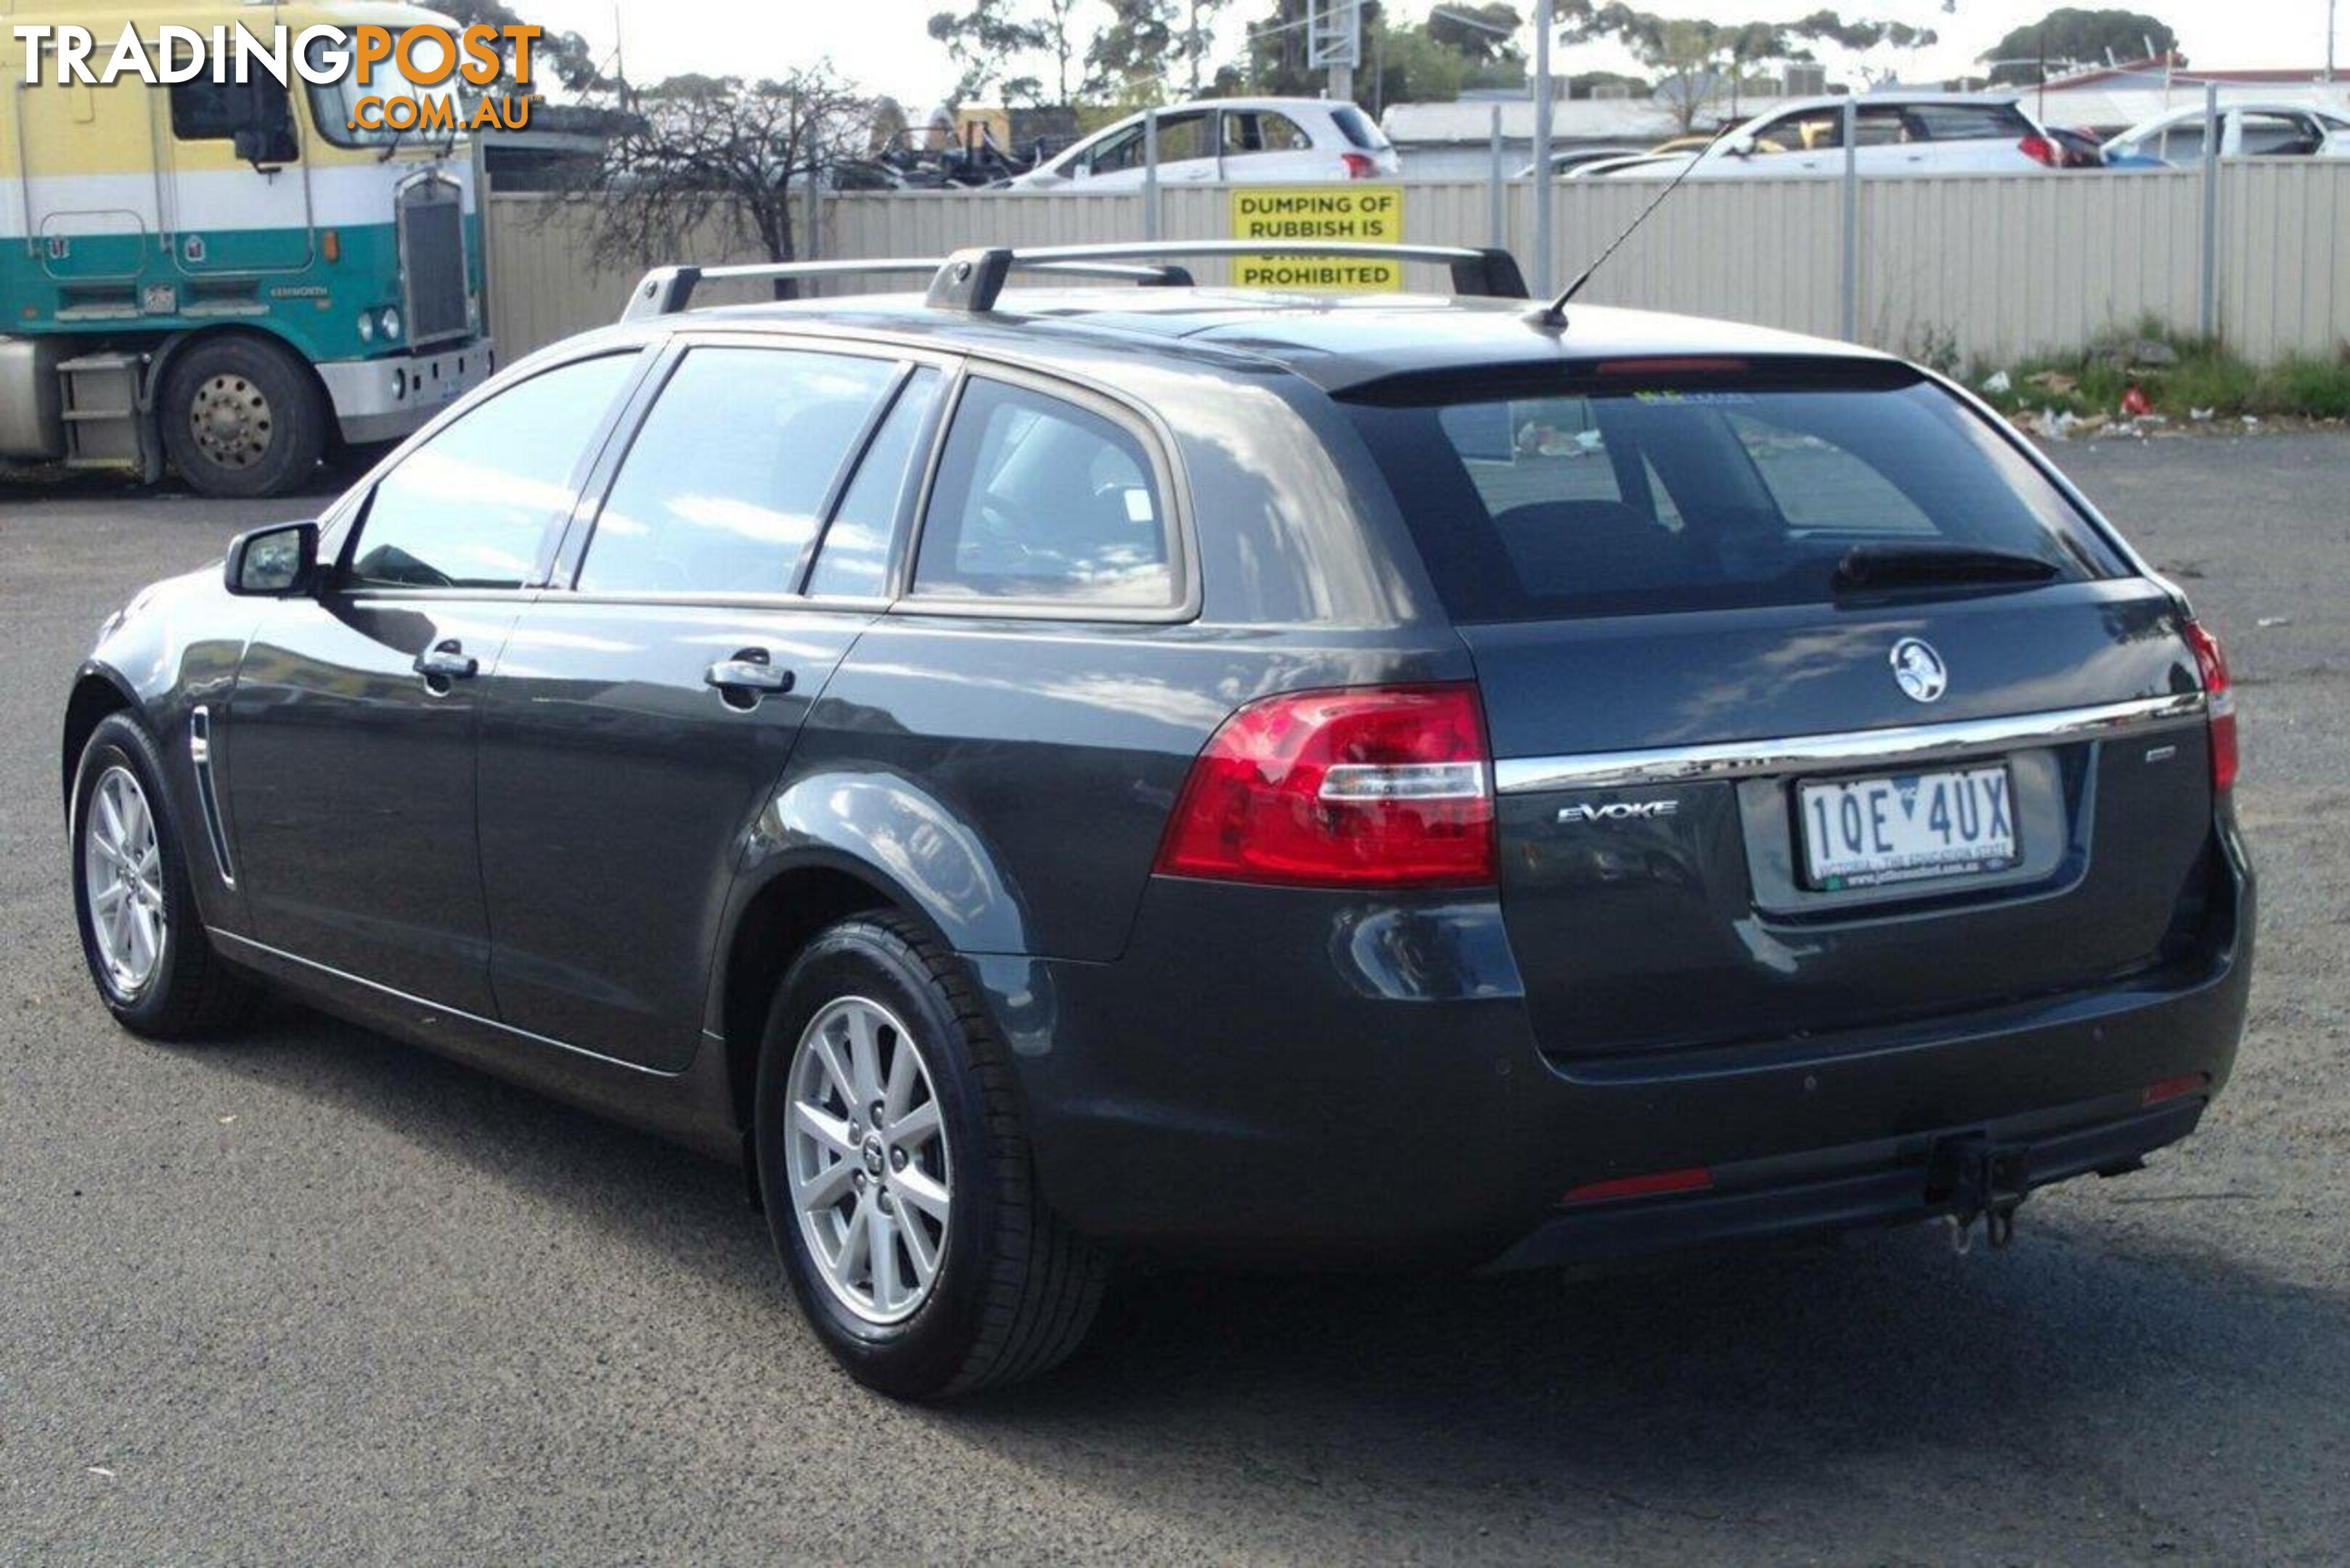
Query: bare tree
718, 157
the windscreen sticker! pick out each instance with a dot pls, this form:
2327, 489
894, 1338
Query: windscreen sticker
1718, 399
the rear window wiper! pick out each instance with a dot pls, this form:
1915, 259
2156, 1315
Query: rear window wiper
1867, 566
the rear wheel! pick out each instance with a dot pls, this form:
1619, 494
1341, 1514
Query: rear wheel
241, 416
897, 1181
141, 933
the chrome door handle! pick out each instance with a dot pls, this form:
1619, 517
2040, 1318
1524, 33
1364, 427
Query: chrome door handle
447, 661
749, 670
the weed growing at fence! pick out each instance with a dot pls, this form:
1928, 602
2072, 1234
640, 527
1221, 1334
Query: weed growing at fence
2178, 377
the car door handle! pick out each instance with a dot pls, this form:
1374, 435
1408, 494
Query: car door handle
749, 670
447, 661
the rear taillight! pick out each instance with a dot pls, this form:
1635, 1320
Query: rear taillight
2039, 149
1359, 165
2226, 761
1368, 786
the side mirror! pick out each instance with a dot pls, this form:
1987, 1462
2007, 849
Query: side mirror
1739, 147
275, 562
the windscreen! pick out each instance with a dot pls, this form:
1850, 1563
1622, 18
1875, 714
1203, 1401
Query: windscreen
1622, 494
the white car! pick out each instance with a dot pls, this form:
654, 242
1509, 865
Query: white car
2246, 129
1246, 141
1898, 133
1561, 164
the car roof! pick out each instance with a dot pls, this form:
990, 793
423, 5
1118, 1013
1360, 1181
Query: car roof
1335, 343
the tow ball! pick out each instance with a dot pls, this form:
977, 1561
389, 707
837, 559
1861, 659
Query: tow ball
1972, 1177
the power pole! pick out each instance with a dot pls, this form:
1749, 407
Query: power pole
1543, 178
1333, 42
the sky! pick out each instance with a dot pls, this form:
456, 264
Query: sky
881, 44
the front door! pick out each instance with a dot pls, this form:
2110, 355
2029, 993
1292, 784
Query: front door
351, 779
231, 210
639, 719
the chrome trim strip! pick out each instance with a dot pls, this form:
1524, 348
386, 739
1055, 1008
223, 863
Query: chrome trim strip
1850, 749
200, 757
458, 1014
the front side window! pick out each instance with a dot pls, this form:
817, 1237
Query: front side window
1180, 136
472, 507
2268, 135
723, 486
207, 111
1038, 498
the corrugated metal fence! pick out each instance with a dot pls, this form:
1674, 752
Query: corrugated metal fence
1985, 268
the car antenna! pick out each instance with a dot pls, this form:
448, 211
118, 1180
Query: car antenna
1551, 317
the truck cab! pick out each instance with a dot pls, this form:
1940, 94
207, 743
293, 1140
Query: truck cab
221, 279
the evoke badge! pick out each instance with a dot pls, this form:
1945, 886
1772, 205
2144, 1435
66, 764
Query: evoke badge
1619, 811
1918, 670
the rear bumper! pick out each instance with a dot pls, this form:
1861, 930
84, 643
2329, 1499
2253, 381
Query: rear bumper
1271, 1078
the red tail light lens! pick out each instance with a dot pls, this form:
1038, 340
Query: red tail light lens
2212, 662
1373, 787
1359, 165
2039, 149
1694, 1178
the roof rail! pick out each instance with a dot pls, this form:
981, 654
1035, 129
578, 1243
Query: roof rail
972, 279
667, 290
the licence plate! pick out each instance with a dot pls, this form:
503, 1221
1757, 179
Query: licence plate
1867, 832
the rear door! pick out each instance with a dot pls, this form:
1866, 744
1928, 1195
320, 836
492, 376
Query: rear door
1762, 774
646, 703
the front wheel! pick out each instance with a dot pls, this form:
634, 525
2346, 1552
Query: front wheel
896, 1179
141, 933
243, 417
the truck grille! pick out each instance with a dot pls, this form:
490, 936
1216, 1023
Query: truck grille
432, 260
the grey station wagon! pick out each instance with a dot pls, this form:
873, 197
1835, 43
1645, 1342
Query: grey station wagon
1117, 767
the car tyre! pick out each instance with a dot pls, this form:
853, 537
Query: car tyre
1011, 1289
243, 417
155, 966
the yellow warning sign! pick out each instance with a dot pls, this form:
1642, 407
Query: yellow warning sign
1362, 213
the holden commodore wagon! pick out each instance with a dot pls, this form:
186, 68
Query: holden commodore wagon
1104, 770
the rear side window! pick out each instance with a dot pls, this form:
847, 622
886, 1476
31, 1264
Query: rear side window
1598, 501
471, 507
1968, 122
726, 479
1040, 498
854, 559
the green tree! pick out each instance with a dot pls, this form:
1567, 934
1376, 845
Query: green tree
1468, 31
984, 42
2070, 36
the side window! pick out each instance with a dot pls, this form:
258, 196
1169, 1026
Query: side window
1818, 486
206, 110
726, 479
1040, 499
854, 559
2267, 135
1180, 136
2180, 143
1248, 131
471, 507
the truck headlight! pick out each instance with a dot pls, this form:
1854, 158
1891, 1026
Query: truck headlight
367, 327
391, 324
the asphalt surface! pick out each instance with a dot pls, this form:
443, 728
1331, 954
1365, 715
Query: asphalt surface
315, 1294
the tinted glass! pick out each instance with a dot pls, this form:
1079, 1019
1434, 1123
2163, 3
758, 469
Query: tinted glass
2278, 136
854, 559
1700, 497
1969, 122
1040, 499
204, 110
1359, 128
727, 478
469, 507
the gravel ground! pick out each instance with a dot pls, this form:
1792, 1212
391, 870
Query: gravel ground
315, 1294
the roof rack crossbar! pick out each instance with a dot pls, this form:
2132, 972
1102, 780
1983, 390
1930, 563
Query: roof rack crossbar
972, 279
668, 290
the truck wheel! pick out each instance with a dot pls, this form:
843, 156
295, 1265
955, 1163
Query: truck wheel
243, 417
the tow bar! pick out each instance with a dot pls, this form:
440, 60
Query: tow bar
1978, 1178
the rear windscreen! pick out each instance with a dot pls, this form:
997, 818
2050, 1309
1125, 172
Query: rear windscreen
1591, 500
1359, 128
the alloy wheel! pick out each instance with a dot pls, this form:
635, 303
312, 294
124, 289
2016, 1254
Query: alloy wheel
871, 1181
230, 418
122, 875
